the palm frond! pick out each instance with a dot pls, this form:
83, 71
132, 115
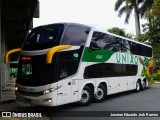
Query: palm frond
128, 14
118, 4
121, 11
146, 5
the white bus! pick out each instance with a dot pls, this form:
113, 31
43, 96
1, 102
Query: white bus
70, 62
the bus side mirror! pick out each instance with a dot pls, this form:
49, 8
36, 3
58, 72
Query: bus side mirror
53, 50
10, 52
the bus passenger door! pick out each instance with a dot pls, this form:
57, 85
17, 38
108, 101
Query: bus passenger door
75, 91
64, 92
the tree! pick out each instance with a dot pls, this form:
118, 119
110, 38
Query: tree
121, 32
129, 6
150, 10
145, 7
152, 28
117, 31
145, 10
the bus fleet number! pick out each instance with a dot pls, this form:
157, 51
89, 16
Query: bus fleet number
99, 56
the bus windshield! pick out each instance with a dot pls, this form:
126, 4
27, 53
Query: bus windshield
44, 37
52, 35
33, 71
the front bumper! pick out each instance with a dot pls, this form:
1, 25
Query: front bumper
44, 100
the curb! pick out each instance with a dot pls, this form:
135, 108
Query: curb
7, 101
157, 82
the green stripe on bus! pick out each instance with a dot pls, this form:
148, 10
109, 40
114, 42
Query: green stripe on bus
96, 55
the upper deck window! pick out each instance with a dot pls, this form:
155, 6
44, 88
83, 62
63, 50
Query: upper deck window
108, 42
45, 34
75, 35
44, 37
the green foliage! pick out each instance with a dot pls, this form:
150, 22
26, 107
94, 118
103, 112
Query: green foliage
121, 32
152, 28
142, 37
156, 75
129, 35
150, 9
117, 31
126, 7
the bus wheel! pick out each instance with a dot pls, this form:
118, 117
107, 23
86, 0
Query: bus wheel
143, 85
86, 96
101, 94
138, 86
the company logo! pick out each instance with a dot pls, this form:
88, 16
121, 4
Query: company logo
6, 114
126, 58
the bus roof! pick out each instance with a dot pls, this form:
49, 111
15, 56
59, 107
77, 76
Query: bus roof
66, 24
95, 29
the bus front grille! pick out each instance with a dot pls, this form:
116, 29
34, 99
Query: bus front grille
25, 93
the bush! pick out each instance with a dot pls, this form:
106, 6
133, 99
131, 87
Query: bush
156, 75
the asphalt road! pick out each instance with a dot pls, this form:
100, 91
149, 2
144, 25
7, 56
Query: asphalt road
147, 100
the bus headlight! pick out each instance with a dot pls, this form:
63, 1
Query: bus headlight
47, 91
16, 88
49, 100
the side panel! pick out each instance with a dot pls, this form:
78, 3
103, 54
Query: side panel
75, 90
122, 84
113, 85
64, 91
131, 82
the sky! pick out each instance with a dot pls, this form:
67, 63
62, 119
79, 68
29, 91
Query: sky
96, 13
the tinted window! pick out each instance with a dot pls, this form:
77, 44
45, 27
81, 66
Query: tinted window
99, 41
139, 49
124, 45
134, 48
44, 37
109, 70
13, 65
35, 71
75, 35
146, 51
68, 62
66, 68
44, 34
149, 51
108, 42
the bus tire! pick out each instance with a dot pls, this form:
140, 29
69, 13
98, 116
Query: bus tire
143, 85
86, 96
101, 94
138, 86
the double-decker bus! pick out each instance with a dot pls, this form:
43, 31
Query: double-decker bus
70, 62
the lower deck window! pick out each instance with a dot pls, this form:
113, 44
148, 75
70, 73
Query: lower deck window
67, 68
109, 70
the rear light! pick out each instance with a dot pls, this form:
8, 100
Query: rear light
26, 58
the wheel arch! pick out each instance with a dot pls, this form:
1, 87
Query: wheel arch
89, 84
104, 84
